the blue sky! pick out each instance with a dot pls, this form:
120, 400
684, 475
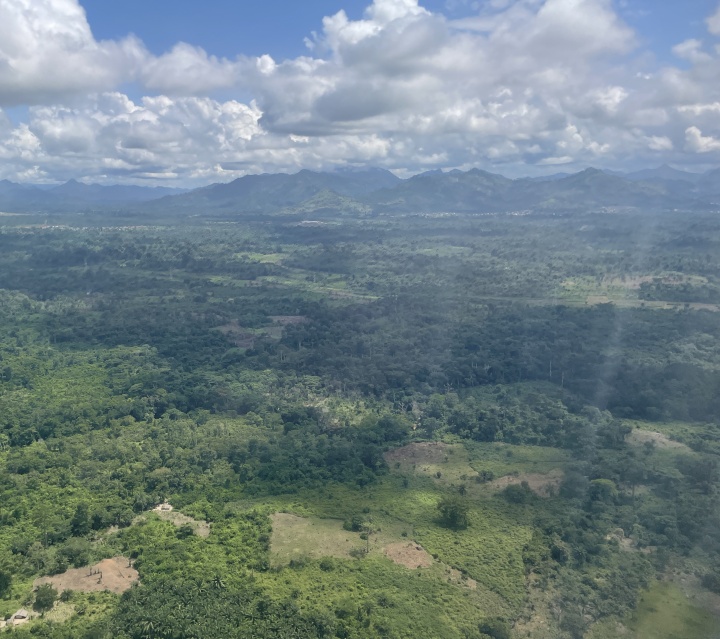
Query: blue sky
278, 27
181, 92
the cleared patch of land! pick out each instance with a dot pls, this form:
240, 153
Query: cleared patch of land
294, 537
664, 612
453, 464
110, 574
297, 537
408, 554
419, 453
543, 485
640, 437
168, 513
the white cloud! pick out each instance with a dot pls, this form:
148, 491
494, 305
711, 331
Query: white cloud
691, 50
47, 52
713, 22
660, 143
696, 142
188, 70
522, 82
112, 135
556, 161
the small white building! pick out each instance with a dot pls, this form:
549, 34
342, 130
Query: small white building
21, 616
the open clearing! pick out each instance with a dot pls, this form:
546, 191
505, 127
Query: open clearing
451, 464
419, 453
168, 513
640, 437
110, 574
543, 485
294, 537
408, 554
664, 612
446, 463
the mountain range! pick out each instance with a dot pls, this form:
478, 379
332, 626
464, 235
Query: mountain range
377, 191
75, 196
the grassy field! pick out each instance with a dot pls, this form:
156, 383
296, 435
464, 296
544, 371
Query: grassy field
664, 612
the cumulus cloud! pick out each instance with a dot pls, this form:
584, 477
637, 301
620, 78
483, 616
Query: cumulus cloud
696, 142
111, 135
187, 70
713, 22
47, 52
515, 83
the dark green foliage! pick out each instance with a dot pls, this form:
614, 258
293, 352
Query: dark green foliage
519, 493
453, 510
239, 368
45, 598
354, 524
711, 580
5, 582
184, 609
496, 628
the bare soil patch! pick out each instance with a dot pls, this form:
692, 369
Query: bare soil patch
408, 554
640, 437
110, 574
419, 453
543, 485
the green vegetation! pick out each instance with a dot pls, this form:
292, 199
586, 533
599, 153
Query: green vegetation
372, 427
665, 613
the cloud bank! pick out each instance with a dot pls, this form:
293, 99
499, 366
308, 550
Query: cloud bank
517, 86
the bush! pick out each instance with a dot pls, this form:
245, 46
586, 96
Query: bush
453, 511
519, 493
496, 628
354, 524
711, 581
5, 583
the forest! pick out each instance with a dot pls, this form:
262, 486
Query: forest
463, 426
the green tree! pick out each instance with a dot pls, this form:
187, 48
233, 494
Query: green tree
45, 598
80, 523
495, 628
453, 511
5, 582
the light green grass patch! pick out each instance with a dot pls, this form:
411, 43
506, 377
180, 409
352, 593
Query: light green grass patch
262, 258
295, 537
664, 612
488, 551
402, 603
503, 459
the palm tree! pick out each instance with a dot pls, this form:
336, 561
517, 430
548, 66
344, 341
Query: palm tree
148, 628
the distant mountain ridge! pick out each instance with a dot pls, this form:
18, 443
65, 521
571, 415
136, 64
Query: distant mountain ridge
365, 191
274, 191
75, 196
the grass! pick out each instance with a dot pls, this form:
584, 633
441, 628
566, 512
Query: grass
297, 538
488, 551
664, 612
404, 604
503, 459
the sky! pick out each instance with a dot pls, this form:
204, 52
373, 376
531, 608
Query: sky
186, 93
